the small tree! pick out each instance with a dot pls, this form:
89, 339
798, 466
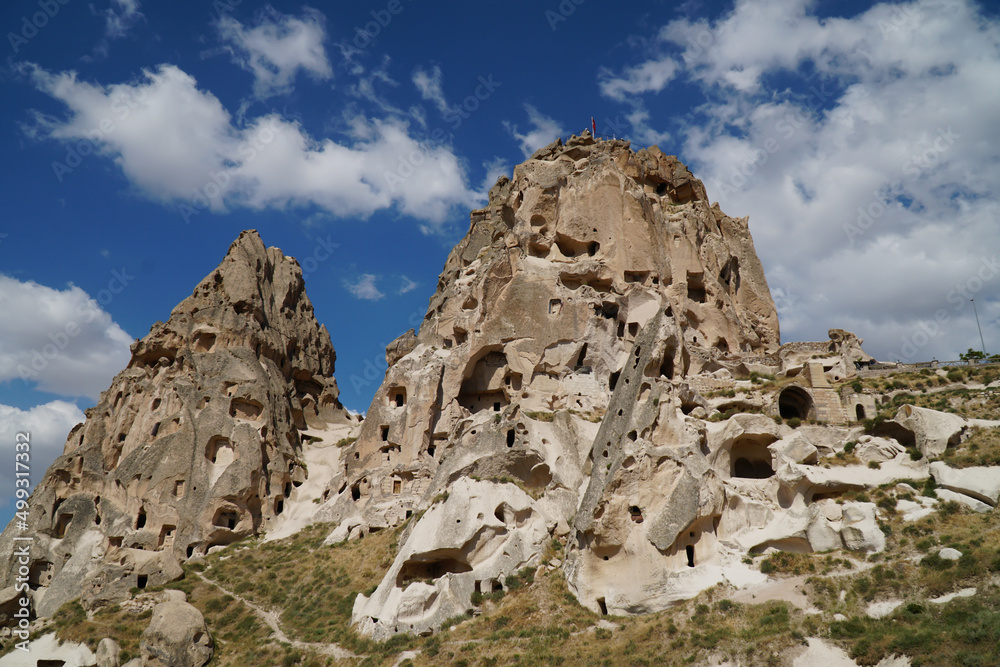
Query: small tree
972, 355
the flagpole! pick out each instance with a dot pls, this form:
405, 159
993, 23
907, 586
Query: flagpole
981, 342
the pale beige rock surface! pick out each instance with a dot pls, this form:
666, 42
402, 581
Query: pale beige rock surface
176, 637
108, 653
195, 444
588, 382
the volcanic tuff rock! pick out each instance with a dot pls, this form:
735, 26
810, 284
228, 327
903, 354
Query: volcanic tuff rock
555, 353
559, 387
176, 637
195, 444
598, 373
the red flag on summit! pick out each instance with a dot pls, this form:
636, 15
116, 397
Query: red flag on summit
593, 125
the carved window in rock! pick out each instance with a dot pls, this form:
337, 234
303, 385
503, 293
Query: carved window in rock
396, 396
696, 287
226, 518
166, 535
62, 523
751, 459
484, 383
219, 451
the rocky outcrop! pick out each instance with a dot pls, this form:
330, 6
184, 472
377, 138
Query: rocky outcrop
930, 431
176, 637
195, 444
840, 357
980, 483
553, 358
467, 544
572, 387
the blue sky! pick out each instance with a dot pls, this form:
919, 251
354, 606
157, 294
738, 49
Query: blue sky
140, 138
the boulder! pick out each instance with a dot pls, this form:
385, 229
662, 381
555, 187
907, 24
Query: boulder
949, 554
981, 483
176, 637
794, 448
878, 450
861, 531
108, 653
928, 430
823, 533
975, 505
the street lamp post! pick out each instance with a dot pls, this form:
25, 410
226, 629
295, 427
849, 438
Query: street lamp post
981, 342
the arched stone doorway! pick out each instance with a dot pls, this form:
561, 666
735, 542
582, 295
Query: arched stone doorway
794, 403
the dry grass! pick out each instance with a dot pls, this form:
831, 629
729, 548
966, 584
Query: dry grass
312, 587
544, 625
961, 632
946, 393
240, 638
981, 449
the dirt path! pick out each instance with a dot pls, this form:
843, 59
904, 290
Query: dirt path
271, 619
791, 589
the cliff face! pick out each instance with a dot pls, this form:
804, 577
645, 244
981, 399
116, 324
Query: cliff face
594, 284
195, 444
587, 375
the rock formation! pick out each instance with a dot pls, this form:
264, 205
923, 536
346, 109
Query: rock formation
176, 637
195, 444
594, 270
554, 389
599, 372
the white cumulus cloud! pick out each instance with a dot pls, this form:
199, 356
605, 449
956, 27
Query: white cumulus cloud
863, 149
178, 144
60, 341
544, 130
277, 47
363, 287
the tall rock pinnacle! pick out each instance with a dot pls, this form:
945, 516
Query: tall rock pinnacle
597, 279
195, 444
